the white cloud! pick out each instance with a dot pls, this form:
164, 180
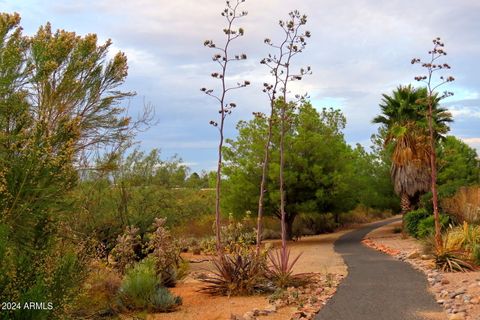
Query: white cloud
359, 49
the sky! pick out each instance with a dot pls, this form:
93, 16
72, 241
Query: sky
359, 50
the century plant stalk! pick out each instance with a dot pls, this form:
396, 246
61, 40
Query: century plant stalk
223, 57
432, 65
279, 65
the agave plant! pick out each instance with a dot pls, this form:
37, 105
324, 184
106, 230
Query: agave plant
238, 273
453, 259
280, 271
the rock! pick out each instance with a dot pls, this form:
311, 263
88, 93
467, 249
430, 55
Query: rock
249, 316
457, 316
475, 301
445, 281
440, 301
426, 257
271, 308
236, 317
413, 255
457, 293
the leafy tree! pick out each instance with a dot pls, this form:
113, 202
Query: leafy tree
432, 66
59, 99
406, 138
319, 166
223, 58
458, 165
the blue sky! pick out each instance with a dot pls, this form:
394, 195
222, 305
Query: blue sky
359, 49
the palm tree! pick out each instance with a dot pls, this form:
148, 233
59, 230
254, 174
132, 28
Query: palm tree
404, 119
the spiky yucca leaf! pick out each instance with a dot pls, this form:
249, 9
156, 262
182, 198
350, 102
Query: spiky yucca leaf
280, 271
236, 274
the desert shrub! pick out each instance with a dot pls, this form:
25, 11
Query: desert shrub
164, 301
124, 253
54, 277
314, 223
412, 219
165, 252
141, 290
363, 214
397, 230
452, 257
426, 226
464, 205
465, 238
237, 273
208, 245
99, 292
268, 234
238, 233
476, 254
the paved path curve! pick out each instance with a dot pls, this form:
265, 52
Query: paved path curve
377, 287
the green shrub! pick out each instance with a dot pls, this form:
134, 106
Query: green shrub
476, 254
139, 285
238, 233
271, 234
412, 219
426, 226
314, 223
164, 301
141, 290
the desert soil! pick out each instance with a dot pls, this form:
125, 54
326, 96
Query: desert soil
458, 293
318, 256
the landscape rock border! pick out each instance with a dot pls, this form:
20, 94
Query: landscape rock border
308, 299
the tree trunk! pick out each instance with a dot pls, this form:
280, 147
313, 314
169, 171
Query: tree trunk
289, 227
405, 207
405, 203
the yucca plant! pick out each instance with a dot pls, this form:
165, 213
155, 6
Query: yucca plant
238, 273
280, 271
452, 259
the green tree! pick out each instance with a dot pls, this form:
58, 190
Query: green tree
458, 166
59, 99
318, 166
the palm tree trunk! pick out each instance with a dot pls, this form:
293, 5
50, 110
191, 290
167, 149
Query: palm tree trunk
405, 206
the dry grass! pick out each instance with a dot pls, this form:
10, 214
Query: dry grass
464, 205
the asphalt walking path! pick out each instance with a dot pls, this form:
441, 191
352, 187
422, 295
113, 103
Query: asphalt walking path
378, 287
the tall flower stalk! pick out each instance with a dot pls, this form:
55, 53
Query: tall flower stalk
223, 57
279, 63
432, 66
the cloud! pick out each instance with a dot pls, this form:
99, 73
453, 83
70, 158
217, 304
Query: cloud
473, 142
359, 49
